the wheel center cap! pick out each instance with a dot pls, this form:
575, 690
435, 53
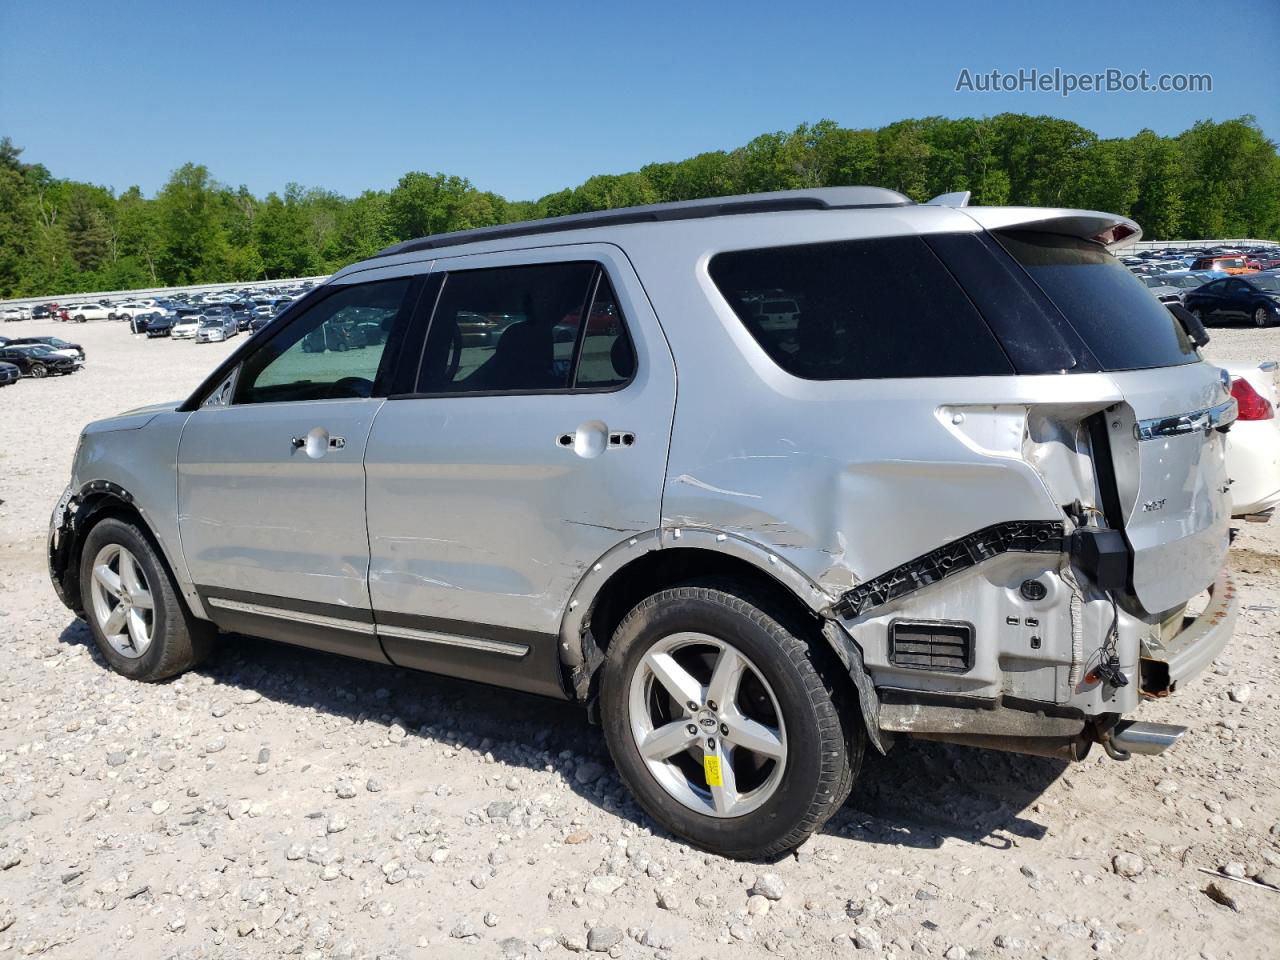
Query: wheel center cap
708, 720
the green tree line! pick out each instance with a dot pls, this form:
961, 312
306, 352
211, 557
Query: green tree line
62, 236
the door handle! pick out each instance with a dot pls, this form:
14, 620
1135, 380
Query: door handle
593, 438
317, 442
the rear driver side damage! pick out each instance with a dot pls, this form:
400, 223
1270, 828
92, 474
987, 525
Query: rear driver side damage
891, 699
1053, 649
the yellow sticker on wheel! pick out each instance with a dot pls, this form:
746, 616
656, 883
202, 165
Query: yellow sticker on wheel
711, 767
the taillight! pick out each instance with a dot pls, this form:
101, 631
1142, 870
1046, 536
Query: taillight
1252, 405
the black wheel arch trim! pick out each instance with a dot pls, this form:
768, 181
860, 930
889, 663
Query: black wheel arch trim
66, 533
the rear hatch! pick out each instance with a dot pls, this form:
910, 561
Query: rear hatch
1160, 455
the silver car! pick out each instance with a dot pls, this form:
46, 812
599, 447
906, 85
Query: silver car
962, 487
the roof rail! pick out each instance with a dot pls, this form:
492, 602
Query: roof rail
822, 198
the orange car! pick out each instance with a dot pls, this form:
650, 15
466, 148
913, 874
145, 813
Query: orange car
1231, 264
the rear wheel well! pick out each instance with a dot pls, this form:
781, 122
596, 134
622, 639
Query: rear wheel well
661, 569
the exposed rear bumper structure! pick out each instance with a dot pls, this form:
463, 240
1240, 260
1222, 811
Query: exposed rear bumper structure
1195, 646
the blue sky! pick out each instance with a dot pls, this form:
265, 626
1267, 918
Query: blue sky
526, 98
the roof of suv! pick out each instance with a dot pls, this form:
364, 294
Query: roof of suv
823, 198
1107, 229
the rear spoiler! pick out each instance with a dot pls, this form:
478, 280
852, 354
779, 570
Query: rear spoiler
1108, 229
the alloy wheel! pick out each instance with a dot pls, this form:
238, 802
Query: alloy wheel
122, 602
707, 725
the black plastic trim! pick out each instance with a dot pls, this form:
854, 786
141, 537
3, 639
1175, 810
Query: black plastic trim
960, 628
360, 641
662, 213
1012, 536
537, 671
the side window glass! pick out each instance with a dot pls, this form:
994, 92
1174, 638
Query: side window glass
505, 329
607, 358
332, 351
858, 309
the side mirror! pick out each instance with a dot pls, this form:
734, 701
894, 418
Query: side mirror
1190, 323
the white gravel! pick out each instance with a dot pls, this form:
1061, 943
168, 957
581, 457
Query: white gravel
281, 802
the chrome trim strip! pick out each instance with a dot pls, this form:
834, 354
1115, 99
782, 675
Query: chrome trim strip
503, 647
1199, 421
296, 616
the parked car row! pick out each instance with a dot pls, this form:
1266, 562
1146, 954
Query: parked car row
246, 304
37, 357
1219, 285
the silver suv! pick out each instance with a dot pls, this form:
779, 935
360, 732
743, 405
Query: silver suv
758, 480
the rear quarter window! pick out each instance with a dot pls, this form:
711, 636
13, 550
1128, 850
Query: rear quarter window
1119, 320
858, 310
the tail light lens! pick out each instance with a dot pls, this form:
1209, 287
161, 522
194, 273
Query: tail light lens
1252, 405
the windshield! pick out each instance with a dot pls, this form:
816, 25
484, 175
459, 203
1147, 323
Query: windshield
211, 322
1124, 326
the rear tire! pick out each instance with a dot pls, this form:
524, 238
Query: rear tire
175, 639
39, 370
787, 756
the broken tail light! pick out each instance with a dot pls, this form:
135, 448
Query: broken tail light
1252, 405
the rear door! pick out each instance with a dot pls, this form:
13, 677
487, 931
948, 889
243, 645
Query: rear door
271, 489
1239, 299
1166, 464
519, 457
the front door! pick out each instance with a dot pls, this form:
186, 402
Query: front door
271, 485
535, 441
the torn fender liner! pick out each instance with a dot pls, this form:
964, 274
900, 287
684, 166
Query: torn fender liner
1012, 536
850, 654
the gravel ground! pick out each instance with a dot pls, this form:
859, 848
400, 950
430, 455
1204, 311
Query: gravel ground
282, 802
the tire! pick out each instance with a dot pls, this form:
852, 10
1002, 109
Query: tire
780, 801
1261, 318
79, 318
39, 370
176, 640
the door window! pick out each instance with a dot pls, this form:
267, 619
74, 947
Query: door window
606, 358
520, 330
333, 350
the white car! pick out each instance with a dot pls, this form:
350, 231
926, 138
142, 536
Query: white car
1253, 443
9, 314
82, 312
186, 328
131, 308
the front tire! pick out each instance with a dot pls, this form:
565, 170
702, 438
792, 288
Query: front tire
39, 370
722, 725
1261, 317
137, 617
